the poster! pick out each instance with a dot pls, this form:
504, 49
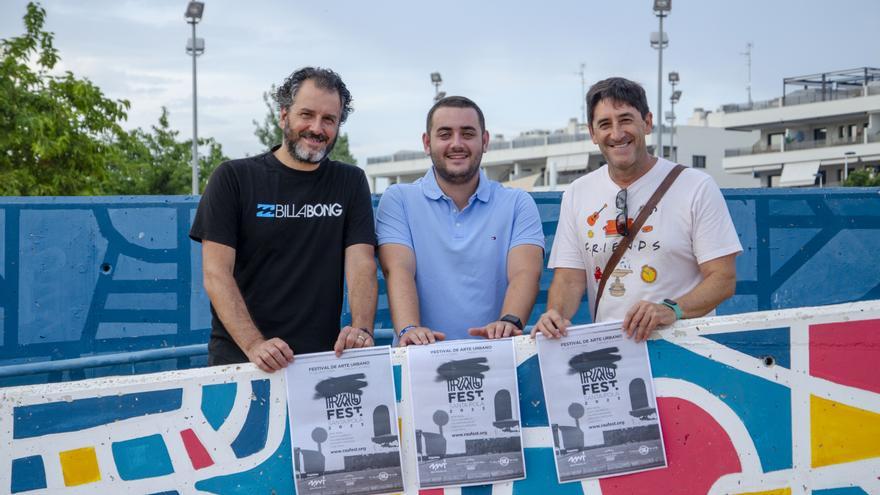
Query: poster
600, 403
466, 420
343, 423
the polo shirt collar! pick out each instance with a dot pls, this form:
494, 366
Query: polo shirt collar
432, 190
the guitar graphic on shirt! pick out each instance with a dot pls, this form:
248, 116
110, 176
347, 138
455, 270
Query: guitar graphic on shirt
591, 220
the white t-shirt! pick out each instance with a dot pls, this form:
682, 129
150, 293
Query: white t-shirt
691, 225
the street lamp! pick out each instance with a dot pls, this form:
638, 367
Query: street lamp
436, 80
673, 99
195, 47
659, 41
846, 156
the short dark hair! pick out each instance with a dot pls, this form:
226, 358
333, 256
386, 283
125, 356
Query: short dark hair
455, 102
619, 90
323, 78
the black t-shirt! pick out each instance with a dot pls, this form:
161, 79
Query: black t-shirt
289, 229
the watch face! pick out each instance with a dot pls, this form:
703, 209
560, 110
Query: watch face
671, 302
512, 319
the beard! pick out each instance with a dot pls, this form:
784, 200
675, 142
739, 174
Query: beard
461, 177
300, 150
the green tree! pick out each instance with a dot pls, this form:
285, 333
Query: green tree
269, 132
156, 162
56, 131
862, 178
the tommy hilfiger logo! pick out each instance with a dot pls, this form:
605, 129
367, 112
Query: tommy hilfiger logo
304, 211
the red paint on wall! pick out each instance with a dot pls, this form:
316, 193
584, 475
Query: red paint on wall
698, 452
431, 491
196, 451
847, 353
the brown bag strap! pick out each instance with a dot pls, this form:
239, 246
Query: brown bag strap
630, 236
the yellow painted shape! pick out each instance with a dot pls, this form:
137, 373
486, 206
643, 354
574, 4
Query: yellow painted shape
79, 466
778, 491
842, 433
399, 427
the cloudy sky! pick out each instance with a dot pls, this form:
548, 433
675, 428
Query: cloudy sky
518, 60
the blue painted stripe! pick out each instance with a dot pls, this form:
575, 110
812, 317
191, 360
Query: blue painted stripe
28, 473
770, 342
217, 402
397, 389
139, 458
533, 409
477, 490
252, 437
849, 490
63, 417
274, 475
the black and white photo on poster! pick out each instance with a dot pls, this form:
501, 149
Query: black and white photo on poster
600, 403
465, 409
343, 423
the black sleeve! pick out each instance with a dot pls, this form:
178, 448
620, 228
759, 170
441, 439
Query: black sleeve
359, 226
219, 209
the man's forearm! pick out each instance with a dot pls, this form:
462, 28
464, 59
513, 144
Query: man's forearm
520, 297
232, 311
403, 299
707, 295
525, 263
566, 291
362, 294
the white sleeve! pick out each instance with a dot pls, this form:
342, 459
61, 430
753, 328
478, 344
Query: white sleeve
714, 235
566, 251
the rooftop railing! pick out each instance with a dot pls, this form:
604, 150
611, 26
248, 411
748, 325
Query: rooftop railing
801, 99
760, 148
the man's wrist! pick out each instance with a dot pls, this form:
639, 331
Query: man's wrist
365, 330
669, 303
405, 329
513, 319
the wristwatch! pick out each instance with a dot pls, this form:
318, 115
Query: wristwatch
669, 303
509, 318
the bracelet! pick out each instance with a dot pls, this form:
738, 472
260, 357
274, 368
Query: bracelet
366, 331
404, 330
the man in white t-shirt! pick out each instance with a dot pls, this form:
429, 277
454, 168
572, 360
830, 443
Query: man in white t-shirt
681, 263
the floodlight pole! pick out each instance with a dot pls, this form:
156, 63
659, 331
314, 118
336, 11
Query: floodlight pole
195, 140
193, 15
660, 15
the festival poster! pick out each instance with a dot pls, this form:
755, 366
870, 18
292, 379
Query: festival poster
466, 419
600, 403
343, 423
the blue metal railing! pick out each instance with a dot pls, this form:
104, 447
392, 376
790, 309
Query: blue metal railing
383, 337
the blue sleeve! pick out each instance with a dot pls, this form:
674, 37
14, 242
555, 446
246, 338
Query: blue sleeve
527, 227
392, 226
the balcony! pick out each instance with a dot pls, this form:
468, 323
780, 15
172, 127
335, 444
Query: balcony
761, 148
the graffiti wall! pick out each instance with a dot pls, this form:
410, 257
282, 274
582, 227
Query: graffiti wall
103, 275
776, 402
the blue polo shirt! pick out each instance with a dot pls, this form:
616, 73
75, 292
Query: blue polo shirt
461, 256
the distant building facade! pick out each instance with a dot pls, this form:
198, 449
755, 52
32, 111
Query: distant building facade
827, 126
541, 160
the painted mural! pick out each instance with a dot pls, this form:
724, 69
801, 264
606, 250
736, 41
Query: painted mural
772, 403
103, 275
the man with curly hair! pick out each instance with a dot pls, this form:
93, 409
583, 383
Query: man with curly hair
281, 231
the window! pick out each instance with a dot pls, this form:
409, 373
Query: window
698, 161
820, 134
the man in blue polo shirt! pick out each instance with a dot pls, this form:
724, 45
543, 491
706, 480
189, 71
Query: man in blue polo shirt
461, 254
